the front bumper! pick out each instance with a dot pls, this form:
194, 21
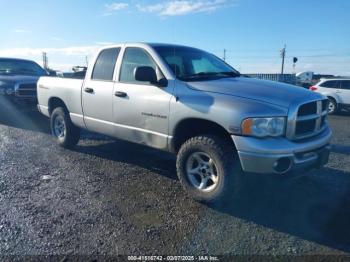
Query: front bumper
280, 155
19, 101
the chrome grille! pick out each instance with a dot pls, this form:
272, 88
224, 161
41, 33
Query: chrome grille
26, 90
308, 120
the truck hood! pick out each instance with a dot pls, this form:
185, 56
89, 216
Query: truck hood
275, 93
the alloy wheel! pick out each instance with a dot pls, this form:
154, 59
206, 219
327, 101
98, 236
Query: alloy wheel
202, 172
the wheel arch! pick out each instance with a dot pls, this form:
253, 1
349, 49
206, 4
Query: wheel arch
191, 127
333, 98
55, 102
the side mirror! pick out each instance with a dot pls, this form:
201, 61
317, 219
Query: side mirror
145, 74
148, 74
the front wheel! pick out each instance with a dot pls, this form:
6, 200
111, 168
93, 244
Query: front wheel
66, 133
332, 106
208, 168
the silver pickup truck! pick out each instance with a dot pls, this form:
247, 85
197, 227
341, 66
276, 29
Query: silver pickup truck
184, 100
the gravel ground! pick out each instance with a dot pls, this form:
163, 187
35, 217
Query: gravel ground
109, 197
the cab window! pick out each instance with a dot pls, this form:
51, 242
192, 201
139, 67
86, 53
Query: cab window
134, 57
105, 64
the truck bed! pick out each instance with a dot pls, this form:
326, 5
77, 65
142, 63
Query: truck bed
64, 89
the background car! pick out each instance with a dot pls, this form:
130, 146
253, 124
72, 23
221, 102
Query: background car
337, 91
18, 79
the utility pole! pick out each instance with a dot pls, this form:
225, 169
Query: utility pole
224, 55
45, 60
283, 55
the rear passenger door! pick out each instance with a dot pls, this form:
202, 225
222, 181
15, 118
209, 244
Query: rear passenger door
345, 91
97, 93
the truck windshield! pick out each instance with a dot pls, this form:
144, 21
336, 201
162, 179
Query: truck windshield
20, 67
191, 64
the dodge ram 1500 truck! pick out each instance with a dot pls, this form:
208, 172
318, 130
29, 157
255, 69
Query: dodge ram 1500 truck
180, 99
18, 80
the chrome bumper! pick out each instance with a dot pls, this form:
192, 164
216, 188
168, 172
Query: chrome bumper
280, 155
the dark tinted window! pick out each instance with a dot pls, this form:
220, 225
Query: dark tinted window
105, 64
20, 67
134, 57
330, 84
345, 84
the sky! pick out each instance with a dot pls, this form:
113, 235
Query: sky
253, 32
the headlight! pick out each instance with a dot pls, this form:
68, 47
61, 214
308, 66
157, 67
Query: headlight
6, 88
10, 91
264, 126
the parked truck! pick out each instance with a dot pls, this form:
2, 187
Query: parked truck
18, 80
305, 78
221, 125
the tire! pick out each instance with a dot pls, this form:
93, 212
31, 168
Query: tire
214, 182
332, 107
67, 135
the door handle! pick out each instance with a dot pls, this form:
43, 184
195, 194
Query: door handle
120, 94
89, 90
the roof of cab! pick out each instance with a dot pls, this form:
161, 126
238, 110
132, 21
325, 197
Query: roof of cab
16, 59
146, 44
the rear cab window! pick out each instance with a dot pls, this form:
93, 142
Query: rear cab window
105, 65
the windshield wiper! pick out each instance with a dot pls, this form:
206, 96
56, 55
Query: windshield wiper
231, 73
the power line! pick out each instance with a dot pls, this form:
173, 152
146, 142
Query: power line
251, 56
274, 50
329, 55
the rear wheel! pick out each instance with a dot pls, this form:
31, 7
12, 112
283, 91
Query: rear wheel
66, 133
332, 106
208, 169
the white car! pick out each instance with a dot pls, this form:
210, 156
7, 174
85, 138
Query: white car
337, 91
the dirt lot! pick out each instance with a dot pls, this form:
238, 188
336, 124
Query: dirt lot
108, 197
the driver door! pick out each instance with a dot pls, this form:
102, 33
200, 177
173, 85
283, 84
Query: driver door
140, 109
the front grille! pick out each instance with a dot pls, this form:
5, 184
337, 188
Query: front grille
325, 104
310, 119
307, 109
305, 127
26, 90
